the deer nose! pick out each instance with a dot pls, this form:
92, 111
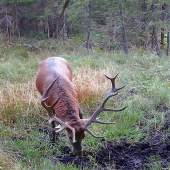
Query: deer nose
78, 153
77, 148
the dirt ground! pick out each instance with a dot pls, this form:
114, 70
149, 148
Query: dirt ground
124, 156
119, 156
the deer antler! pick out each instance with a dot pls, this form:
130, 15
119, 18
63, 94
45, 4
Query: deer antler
52, 118
102, 108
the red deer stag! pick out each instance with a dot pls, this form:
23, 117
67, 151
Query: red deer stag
59, 98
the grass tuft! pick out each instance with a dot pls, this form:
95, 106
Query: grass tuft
8, 163
19, 101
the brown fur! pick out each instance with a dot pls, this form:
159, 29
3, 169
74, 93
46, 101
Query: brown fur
67, 108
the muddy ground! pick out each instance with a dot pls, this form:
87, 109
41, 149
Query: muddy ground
124, 156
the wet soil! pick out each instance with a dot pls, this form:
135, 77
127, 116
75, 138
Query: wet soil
123, 155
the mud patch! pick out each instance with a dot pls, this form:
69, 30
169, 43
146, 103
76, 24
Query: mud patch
119, 156
127, 156
124, 156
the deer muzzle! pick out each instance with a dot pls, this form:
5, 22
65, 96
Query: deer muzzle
77, 148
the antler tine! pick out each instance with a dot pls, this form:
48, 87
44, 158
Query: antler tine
102, 107
114, 89
45, 97
92, 134
64, 126
49, 108
97, 121
50, 112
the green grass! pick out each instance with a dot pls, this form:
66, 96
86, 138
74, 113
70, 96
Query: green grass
156, 163
146, 94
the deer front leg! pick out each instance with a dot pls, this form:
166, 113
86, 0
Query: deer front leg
54, 137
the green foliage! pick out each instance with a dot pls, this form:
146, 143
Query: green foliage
41, 19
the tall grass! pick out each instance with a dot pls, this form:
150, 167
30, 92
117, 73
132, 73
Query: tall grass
91, 84
8, 163
19, 101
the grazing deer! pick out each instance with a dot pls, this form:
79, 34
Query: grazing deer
59, 98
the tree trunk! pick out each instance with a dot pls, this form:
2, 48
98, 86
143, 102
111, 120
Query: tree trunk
16, 22
155, 45
9, 35
8, 24
162, 29
47, 28
36, 25
125, 42
162, 37
50, 26
89, 27
112, 25
111, 31
144, 21
167, 49
57, 27
21, 25
64, 29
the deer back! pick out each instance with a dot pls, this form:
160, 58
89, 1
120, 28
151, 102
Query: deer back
67, 107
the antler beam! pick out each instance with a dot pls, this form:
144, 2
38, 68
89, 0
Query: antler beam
114, 91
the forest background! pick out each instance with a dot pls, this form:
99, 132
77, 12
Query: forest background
106, 24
